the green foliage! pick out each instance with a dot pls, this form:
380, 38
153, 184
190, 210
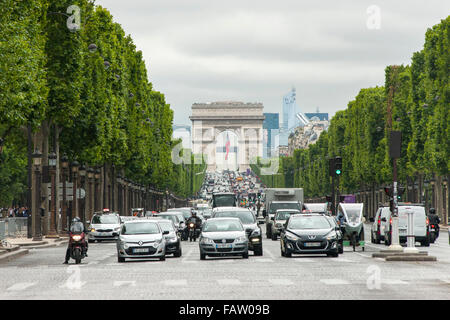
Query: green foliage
360, 133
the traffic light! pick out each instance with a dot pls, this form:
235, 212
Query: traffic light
337, 166
388, 191
259, 195
400, 191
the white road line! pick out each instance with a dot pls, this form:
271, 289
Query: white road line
393, 281
334, 281
303, 260
262, 260
446, 281
124, 283
92, 262
189, 261
21, 286
281, 282
229, 282
173, 283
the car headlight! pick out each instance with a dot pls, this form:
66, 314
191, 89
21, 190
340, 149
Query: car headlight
173, 239
278, 225
157, 242
92, 230
206, 240
117, 229
291, 237
241, 239
256, 232
332, 236
125, 245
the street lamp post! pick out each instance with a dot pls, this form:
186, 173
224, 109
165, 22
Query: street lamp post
97, 189
75, 166
90, 198
65, 169
82, 172
36, 196
52, 168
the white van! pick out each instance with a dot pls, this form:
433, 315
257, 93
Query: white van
421, 225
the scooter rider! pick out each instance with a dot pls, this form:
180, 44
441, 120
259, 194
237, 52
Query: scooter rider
196, 220
76, 227
434, 219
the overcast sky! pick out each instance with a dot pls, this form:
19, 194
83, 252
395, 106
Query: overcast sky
256, 51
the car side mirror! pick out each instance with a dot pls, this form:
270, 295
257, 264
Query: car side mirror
165, 232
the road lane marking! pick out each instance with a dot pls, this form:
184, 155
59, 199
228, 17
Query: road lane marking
334, 281
269, 253
175, 283
262, 260
281, 282
393, 281
124, 283
229, 282
21, 286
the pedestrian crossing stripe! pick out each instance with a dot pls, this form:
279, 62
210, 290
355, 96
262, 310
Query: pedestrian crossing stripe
334, 281
21, 286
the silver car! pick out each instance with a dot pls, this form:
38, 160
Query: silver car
104, 226
223, 237
141, 239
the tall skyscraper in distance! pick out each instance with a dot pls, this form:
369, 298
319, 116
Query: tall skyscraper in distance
271, 127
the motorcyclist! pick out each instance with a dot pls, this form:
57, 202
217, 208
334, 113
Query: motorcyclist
196, 220
76, 227
434, 220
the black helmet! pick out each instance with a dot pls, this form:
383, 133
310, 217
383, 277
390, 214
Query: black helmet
432, 210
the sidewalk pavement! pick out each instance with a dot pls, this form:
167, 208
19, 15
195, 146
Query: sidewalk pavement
16, 247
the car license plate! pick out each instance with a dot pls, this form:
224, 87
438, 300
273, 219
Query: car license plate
221, 246
140, 250
312, 244
104, 234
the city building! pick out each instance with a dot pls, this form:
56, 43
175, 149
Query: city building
271, 126
304, 136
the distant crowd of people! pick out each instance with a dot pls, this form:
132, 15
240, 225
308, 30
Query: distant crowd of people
16, 211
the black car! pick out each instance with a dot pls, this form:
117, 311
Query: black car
340, 236
173, 238
309, 234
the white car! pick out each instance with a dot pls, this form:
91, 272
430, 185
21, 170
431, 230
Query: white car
141, 239
104, 226
379, 225
421, 224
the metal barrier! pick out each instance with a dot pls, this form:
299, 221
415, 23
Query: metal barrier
2, 230
17, 227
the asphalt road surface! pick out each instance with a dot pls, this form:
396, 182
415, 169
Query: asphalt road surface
353, 275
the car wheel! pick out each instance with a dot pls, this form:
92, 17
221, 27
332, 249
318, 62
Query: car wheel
334, 255
202, 256
258, 252
120, 259
245, 255
341, 249
163, 258
274, 237
177, 253
90, 241
268, 232
372, 240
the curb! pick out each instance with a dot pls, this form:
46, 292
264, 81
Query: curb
410, 258
12, 255
49, 245
29, 244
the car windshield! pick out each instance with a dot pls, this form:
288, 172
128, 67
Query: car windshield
223, 226
246, 217
166, 226
284, 215
105, 219
313, 222
316, 207
224, 200
276, 206
353, 215
168, 217
77, 227
140, 228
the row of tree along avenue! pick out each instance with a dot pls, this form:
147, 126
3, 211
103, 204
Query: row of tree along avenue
414, 100
73, 84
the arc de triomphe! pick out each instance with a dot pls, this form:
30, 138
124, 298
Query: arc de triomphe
227, 132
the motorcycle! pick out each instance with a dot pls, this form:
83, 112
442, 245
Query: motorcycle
434, 233
77, 247
192, 231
